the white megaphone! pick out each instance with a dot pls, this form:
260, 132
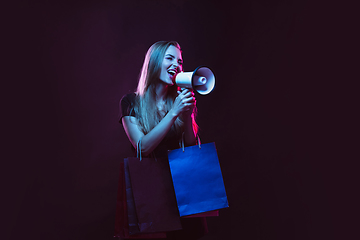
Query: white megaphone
201, 80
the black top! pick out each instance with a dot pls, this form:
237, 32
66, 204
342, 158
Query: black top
127, 106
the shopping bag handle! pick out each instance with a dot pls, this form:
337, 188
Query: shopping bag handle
183, 145
138, 149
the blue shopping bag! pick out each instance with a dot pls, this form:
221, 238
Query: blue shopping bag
197, 179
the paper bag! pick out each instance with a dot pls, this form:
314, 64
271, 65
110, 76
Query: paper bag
154, 196
197, 179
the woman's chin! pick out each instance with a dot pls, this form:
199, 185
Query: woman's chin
169, 82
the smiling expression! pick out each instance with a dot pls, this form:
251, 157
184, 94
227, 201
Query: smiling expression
171, 65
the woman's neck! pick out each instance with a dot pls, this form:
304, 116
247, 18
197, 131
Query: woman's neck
161, 90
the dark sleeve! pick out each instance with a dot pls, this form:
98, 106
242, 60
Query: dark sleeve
126, 106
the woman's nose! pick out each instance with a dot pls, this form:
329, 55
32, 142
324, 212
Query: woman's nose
175, 64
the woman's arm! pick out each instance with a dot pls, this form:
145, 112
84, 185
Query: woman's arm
183, 103
151, 140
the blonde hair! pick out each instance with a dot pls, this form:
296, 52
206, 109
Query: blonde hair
145, 106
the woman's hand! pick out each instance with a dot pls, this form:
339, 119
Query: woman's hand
184, 103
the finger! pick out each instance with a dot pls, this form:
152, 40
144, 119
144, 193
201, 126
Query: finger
189, 94
189, 99
191, 90
190, 106
185, 91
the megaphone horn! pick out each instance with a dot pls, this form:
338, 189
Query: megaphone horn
201, 80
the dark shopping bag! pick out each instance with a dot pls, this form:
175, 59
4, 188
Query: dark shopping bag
122, 229
197, 179
131, 212
154, 196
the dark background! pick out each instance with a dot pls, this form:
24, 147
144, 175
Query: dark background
283, 113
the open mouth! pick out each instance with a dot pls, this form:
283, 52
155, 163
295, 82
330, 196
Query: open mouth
172, 72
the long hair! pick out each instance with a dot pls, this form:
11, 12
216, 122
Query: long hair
145, 106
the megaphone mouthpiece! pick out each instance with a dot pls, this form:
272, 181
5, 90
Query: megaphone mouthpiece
199, 81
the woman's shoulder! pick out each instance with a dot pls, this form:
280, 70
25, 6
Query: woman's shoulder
126, 105
129, 97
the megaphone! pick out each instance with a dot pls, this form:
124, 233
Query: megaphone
201, 80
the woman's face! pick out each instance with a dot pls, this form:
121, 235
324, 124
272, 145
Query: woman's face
171, 65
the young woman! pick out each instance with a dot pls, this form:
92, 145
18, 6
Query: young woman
162, 116
158, 113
